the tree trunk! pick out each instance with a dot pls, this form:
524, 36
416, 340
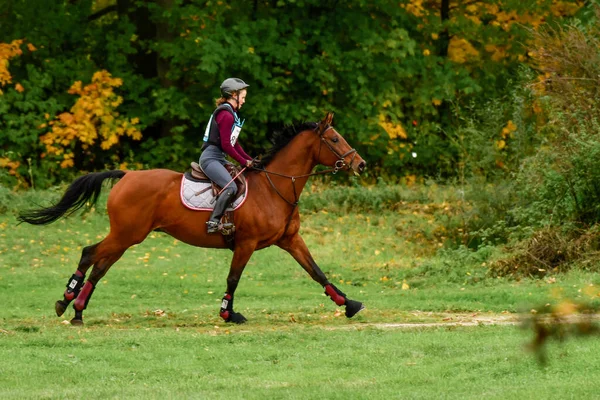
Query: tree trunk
144, 61
442, 51
148, 63
163, 34
444, 38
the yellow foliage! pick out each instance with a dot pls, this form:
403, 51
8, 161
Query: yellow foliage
410, 180
461, 51
507, 132
416, 8
67, 163
11, 165
393, 131
498, 52
495, 14
508, 129
8, 51
562, 9
92, 119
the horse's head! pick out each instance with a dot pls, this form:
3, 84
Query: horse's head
337, 153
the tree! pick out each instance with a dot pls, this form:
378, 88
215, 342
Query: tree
397, 74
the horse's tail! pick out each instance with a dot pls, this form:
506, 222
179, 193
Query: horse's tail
83, 189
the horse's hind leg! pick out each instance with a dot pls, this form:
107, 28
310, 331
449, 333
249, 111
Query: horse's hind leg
75, 282
102, 256
100, 269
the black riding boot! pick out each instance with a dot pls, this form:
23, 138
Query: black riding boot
221, 205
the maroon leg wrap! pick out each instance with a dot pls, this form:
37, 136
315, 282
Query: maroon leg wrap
74, 285
226, 306
84, 296
338, 297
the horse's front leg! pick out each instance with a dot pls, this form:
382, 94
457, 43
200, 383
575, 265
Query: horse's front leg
297, 248
241, 255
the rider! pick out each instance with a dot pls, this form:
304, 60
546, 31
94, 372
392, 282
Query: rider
220, 140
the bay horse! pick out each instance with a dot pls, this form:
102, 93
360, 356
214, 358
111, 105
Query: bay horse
145, 201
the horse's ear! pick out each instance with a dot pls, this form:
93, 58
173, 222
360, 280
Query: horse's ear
326, 121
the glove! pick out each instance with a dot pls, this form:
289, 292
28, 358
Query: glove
255, 163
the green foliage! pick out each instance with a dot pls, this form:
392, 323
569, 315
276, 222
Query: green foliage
461, 265
341, 200
373, 63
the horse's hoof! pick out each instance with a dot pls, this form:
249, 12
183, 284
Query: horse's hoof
60, 307
236, 318
76, 322
353, 307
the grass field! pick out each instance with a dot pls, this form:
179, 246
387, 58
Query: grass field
152, 327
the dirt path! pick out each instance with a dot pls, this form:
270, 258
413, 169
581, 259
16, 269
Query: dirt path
436, 320
454, 321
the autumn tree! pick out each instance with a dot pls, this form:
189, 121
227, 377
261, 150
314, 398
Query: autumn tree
398, 75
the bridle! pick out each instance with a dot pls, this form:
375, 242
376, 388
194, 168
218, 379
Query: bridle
338, 165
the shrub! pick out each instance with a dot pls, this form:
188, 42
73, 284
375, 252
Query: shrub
563, 178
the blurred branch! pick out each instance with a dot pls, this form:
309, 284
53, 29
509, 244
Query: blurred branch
560, 322
103, 12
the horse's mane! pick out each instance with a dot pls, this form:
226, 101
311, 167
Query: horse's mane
280, 138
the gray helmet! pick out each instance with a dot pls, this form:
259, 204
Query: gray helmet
231, 85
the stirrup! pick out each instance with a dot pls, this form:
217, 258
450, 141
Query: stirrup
226, 229
212, 226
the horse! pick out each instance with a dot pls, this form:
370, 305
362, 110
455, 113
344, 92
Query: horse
149, 200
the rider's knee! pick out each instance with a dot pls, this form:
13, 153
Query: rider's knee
229, 191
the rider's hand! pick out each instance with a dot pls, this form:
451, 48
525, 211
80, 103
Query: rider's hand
249, 163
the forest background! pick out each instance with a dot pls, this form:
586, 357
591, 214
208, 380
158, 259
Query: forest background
495, 98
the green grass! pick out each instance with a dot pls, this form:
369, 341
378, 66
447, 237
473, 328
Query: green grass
300, 361
152, 327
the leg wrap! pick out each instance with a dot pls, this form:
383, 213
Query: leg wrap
336, 295
74, 285
84, 297
226, 306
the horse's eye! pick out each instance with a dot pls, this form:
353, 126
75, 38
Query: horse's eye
335, 139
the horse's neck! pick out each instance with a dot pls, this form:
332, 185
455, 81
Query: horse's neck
295, 160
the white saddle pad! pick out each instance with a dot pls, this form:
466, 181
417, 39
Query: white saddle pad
198, 196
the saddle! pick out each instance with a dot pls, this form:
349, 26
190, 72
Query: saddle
240, 182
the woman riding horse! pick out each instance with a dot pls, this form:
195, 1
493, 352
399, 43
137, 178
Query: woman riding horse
146, 201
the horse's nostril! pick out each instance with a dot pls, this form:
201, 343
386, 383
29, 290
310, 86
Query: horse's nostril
361, 166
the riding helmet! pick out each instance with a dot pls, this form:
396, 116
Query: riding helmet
231, 85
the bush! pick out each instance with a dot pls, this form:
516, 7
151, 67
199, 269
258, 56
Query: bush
562, 181
548, 251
